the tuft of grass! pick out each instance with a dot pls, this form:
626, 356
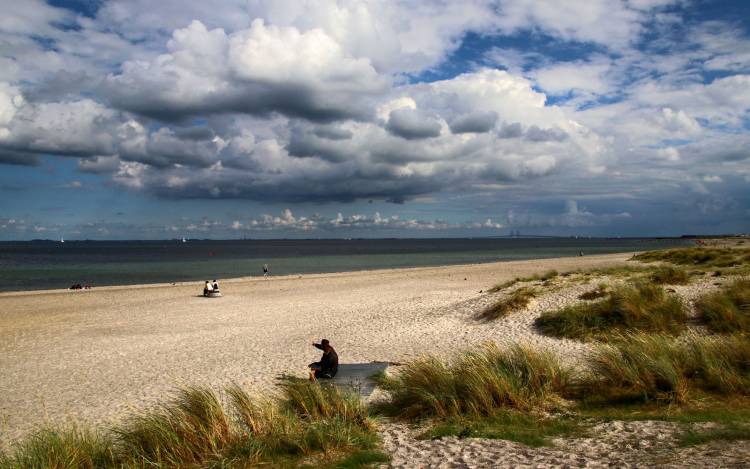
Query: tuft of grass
516, 300
188, 430
727, 310
306, 421
729, 432
600, 291
641, 307
70, 449
669, 275
515, 426
480, 382
643, 367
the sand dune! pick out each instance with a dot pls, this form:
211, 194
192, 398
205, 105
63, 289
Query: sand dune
90, 356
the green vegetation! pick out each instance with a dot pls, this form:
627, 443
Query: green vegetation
645, 368
70, 449
641, 307
308, 421
515, 300
730, 432
669, 275
516, 426
477, 383
727, 310
703, 257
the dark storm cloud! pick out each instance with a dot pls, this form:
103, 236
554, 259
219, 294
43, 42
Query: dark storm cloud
513, 130
474, 123
536, 134
412, 124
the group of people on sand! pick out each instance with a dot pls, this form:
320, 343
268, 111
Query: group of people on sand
210, 287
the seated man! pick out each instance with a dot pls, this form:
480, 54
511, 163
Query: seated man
328, 365
207, 288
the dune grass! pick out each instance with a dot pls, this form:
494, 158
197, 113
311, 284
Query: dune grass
727, 310
306, 421
702, 257
543, 277
644, 367
477, 383
668, 275
638, 307
600, 291
72, 448
515, 300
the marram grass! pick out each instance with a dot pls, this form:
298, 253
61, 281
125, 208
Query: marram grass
639, 307
196, 429
479, 382
662, 368
727, 310
516, 300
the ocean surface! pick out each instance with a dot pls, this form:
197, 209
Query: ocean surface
35, 265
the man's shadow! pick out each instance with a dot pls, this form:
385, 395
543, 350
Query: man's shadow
359, 376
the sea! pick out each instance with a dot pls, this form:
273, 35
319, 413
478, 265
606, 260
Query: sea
35, 265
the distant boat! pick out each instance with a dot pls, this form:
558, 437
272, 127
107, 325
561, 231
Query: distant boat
62, 240
184, 240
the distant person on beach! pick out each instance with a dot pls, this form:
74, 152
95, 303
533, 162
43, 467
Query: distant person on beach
216, 285
328, 365
265, 270
208, 288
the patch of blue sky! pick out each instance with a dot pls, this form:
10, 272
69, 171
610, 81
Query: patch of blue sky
83, 7
537, 49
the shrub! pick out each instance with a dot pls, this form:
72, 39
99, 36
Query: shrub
516, 300
669, 275
640, 307
476, 383
727, 310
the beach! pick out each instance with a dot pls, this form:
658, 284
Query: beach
92, 356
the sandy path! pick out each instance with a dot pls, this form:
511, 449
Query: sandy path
90, 356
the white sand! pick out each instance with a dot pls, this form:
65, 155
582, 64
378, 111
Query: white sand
89, 356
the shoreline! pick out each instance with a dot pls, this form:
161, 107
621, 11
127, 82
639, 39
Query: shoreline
286, 277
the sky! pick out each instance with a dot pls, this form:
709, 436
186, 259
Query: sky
231, 119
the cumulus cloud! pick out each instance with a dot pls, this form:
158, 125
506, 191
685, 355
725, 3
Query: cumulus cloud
318, 101
258, 70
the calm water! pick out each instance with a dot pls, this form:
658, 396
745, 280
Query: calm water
42, 264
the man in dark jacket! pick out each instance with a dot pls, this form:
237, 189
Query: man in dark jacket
328, 365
